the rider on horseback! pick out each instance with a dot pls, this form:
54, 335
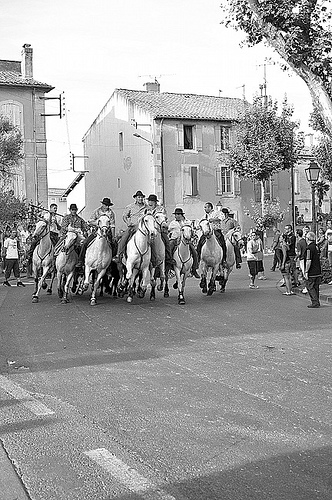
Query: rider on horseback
54, 222
155, 208
174, 233
215, 218
230, 223
104, 209
131, 216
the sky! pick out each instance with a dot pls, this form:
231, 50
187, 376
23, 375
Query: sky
86, 49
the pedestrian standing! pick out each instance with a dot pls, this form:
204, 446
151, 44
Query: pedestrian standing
254, 257
11, 254
313, 271
285, 266
275, 247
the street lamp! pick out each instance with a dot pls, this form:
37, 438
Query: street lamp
144, 139
312, 175
219, 205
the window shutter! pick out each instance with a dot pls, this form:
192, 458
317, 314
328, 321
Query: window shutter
257, 191
180, 136
237, 185
217, 138
186, 181
194, 181
199, 138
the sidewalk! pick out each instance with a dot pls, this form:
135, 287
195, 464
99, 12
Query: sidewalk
325, 293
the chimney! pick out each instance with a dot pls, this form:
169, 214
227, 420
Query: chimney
152, 86
26, 64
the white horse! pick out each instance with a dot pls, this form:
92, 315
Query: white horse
138, 258
233, 237
42, 259
66, 261
98, 257
183, 261
159, 270
211, 257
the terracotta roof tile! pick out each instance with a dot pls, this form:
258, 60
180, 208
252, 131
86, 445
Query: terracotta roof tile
190, 106
11, 78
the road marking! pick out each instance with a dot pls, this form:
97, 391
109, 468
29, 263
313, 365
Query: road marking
129, 477
37, 408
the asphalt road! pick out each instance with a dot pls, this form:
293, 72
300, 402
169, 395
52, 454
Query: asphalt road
225, 398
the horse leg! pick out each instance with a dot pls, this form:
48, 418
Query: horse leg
181, 299
166, 288
49, 290
87, 272
35, 297
212, 285
60, 277
65, 299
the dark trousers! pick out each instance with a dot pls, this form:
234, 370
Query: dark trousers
88, 240
12, 265
312, 285
277, 259
221, 240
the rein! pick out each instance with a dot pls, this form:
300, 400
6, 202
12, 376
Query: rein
42, 236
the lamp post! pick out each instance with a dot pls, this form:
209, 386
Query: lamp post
144, 139
219, 205
312, 174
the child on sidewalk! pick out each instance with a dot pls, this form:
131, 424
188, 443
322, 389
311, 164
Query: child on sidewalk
11, 254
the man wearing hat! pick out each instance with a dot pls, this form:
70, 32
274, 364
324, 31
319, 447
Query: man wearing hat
174, 233
227, 224
215, 218
104, 209
131, 216
154, 208
73, 220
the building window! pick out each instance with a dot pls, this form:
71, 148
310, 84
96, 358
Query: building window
120, 141
190, 180
188, 136
224, 180
269, 190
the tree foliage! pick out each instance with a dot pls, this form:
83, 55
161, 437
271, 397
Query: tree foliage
271, 217
14, 211
10, 146
300, 32
265, 142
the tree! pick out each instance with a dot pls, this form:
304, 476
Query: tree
323, 155
10, 147
321, 188
299, 31
265, 143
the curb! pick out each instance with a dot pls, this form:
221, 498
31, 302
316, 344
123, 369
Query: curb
11, 486
323, 297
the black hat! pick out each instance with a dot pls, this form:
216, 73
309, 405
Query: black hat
178, 211
106, 201
225, 210
153, 197
73, 206
138, 193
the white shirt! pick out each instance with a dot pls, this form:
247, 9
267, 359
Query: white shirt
11, 245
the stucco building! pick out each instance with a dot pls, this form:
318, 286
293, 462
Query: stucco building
22, 100
175, 146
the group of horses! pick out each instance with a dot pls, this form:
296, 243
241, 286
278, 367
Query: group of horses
136, 271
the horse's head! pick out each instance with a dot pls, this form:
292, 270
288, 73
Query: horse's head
41, 227
205, 226
235, 236
160, 220
186, 232
103, 224
148, 227
73, 235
